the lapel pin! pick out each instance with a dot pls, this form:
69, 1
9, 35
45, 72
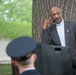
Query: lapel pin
70, 34
67, 30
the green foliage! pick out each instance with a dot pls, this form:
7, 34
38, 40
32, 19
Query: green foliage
16, 10
12, 30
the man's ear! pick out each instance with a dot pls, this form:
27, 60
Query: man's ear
35, 57
16, 63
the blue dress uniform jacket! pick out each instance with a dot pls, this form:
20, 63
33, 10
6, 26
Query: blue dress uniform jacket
30, 72
50, 36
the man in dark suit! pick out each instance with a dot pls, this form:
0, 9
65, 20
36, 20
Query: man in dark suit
21, 50
60, 32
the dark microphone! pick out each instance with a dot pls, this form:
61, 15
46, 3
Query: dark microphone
54, 21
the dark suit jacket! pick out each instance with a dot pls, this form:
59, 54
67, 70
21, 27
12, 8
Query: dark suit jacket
50, 36
30, 72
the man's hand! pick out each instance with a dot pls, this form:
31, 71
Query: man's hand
46, 22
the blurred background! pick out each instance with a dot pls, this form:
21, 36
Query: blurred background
15, 21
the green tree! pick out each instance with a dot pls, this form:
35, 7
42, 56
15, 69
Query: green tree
16, 10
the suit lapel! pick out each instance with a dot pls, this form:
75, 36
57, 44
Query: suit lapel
55, 36
67, 30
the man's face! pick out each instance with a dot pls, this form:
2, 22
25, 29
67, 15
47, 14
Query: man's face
56, 14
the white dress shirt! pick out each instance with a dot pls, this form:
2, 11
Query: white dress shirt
61, 32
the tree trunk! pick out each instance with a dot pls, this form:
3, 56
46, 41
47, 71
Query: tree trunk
41, 11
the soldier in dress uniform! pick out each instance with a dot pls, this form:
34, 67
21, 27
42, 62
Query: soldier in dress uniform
21, 50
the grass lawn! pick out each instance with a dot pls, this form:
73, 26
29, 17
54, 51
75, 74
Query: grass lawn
5, 69
12, 30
